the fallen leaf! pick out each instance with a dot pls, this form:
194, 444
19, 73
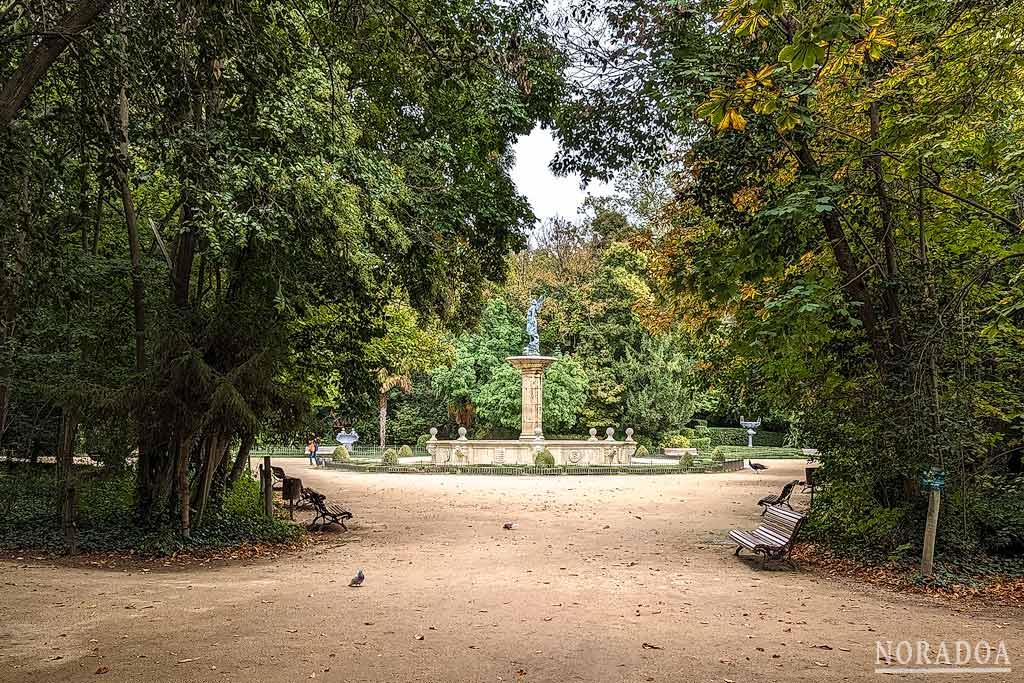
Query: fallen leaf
419, 636
650, 646
821, 664
102, 670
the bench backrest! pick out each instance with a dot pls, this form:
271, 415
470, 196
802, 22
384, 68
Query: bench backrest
787, 491
316, 498
278, 472
783, 522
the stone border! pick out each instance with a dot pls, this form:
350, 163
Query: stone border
523, 470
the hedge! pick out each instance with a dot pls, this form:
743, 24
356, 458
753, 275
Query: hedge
737, 436
763, 452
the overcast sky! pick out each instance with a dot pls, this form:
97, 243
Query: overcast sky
549, 195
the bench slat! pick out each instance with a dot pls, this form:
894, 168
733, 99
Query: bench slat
776, 534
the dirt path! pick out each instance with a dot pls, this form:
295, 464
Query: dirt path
598, 567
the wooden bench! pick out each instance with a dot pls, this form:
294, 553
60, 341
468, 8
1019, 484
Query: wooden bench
326, 513
780, 499
774, 539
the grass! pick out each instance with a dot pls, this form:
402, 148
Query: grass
760, 452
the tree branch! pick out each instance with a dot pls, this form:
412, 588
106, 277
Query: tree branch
36, 63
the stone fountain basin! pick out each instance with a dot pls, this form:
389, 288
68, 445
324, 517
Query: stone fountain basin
522, 452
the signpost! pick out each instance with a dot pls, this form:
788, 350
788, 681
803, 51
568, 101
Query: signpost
933, 481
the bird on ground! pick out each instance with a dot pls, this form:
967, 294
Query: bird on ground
509, 525
757, 467
357, 580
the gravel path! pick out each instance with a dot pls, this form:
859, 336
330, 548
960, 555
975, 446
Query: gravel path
597, 567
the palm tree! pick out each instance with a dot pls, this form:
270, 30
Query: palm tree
387, 383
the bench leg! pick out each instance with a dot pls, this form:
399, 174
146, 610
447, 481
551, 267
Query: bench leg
738, 549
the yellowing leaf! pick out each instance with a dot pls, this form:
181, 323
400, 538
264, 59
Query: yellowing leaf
732, 119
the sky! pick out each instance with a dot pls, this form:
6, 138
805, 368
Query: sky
549, 195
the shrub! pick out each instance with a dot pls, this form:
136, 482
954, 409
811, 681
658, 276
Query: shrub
341, 454
642, 452
106, 507
718, 455
405, 451
700, 443
390, 457
738, 452
676, 441
421, 440
700, 424
544, 459
737, 436
686, 460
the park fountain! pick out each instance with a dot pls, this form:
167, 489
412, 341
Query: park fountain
751, 429
531, 441
346, 439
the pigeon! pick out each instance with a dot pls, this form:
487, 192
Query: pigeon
357, 580
509, 525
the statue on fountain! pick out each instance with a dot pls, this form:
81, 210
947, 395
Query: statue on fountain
533, 346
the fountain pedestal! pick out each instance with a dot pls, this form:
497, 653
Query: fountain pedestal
532, 369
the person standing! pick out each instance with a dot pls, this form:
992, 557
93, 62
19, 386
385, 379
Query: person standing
311, 449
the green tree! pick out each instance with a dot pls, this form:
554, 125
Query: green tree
237, 186
848, 175
404, 350
499, 401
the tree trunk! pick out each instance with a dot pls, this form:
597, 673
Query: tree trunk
12, 250
214, 452
383, 416
35, 64
242, 459
854, 285
122, 169
65, 475
884, 231
181, 478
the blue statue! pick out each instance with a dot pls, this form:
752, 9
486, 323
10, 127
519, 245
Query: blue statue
533, 347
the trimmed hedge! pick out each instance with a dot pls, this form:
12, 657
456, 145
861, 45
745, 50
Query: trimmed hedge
732, 452
676, 441
737, 436
544, 459
390, 457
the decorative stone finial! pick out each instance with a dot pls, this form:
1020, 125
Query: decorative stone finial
611, 434
538, 433
433, 433
462, 434
629, 433
593, 434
